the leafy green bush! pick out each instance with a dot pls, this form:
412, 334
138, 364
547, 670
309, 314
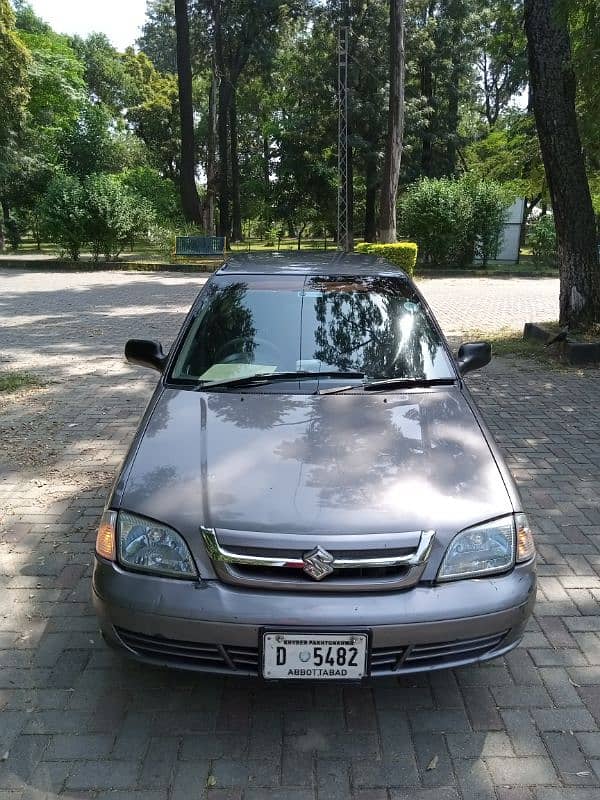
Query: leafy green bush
489, 206
115, 215
437, 214
454, 220
64, 215
542, 239
162, 239
158, 192
101, 212
401, 254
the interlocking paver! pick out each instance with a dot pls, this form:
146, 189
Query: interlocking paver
104, 775
483, 708
526, 771
79, 746
569, 759
79, 722
474, 779
473, 745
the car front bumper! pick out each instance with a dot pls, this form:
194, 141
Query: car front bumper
214, 627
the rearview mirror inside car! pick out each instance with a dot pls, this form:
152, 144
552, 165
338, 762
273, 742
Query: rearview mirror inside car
145, 353
474, 355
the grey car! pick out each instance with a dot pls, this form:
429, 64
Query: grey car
312, 493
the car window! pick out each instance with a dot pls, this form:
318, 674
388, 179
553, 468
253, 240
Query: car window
376, 326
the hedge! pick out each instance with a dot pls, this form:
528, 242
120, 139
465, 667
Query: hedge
401, 254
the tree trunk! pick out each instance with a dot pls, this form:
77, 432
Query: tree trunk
189, 193
528, 206
370, 231
301, 230
453, 111
222, 123
554, 88
266, 166
426, 136
393, 150
457, 11
236, 208
267, 179
224, 220
211, 158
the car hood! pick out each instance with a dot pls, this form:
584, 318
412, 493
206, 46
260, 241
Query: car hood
351, 463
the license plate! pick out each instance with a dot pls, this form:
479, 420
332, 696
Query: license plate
331, 656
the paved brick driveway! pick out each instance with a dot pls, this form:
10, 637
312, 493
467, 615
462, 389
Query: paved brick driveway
77, 722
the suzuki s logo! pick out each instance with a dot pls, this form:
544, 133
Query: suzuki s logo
318, 563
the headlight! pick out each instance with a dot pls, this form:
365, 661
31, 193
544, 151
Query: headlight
482, 550
148, 546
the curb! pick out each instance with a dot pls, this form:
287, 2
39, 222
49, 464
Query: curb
49, 264
478, 273
106, 266
574, 353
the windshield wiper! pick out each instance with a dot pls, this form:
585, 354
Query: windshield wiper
272, 377
407, 383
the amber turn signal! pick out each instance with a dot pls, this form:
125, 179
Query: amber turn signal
525, 543
105, 541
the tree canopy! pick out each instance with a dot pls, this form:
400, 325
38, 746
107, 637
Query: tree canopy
259, 106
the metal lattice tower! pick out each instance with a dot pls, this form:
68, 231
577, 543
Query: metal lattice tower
344, 224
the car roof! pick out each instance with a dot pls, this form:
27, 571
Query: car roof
322, 264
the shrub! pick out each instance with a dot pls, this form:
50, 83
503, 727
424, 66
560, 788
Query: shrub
542, 238
437, 213
162, 239
452, 221
271, 236
401, 254
64, 215
158, 192
489, 206
115, 216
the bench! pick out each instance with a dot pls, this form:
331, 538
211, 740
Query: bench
192, 246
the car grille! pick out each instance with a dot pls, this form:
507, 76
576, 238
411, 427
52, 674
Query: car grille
427, 656
236, 660
357, 579
217, 657
388, 563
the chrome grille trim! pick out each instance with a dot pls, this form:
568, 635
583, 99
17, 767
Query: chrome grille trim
388, 562
218, 552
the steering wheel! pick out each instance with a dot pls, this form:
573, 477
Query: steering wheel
232, 352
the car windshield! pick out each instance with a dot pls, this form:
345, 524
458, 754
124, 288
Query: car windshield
266, 325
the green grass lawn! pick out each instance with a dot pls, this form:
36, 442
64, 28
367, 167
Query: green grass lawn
144, 252
526, 268
147, 255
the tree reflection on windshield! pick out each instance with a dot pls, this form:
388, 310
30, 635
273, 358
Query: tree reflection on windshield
376, 326
381, 333
226, 330
229, 321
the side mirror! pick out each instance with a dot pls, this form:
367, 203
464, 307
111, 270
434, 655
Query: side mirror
474, 355
145, 353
